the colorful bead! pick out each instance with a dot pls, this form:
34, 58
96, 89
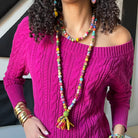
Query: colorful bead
81, 79
116, 136
86, 59
66, 113
56, 13
79, 87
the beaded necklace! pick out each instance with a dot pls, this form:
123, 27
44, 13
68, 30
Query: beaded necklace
63, 121
79, 38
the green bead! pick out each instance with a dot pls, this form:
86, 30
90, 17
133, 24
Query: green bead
66, 113
93, 33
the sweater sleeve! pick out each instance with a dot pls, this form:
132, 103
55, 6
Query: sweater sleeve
17, 66
120, 87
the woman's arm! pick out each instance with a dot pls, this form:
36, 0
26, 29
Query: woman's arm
13, 80
17, 66
120, 88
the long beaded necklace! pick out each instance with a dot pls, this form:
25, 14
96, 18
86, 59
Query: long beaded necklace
63, 121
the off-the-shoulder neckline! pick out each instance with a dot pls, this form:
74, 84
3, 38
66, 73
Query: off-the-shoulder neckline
104, 47
79, 48
116, 45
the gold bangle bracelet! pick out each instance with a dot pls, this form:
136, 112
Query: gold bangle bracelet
22, 121
22, 115
19, 108
27, 117
22, 112
17, 111
19, 105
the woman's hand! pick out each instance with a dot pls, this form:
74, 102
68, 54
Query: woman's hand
119, 129
34, 128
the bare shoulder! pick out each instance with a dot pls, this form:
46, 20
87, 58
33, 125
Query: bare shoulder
120, 35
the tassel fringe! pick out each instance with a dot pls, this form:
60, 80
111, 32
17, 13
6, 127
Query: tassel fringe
63, 123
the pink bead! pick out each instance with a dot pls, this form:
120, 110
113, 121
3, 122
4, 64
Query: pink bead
61, 92
62, 99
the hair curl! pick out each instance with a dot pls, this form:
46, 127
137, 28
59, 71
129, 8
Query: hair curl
42, 20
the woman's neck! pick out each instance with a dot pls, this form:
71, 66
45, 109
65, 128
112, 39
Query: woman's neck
77, 17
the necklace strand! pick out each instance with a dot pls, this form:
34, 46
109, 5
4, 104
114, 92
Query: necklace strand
63, 121
65, 34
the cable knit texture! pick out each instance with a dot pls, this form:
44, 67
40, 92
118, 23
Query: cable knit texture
108, 66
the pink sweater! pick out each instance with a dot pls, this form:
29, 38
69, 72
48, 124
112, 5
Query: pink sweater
108, 66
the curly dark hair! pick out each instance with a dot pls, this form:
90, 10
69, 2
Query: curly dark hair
42, 20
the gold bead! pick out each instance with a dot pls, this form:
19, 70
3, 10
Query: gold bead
86, 59
65, 107
56, 13
77, 39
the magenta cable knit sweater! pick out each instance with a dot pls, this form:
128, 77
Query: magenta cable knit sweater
108, 66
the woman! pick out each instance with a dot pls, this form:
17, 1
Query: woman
71, 69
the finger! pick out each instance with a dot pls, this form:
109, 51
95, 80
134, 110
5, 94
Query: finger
42, 128
39, 134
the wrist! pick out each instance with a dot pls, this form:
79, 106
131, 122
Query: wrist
22, 113
116, 136
119, 129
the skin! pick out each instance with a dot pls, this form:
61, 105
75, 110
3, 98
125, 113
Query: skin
77, 17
